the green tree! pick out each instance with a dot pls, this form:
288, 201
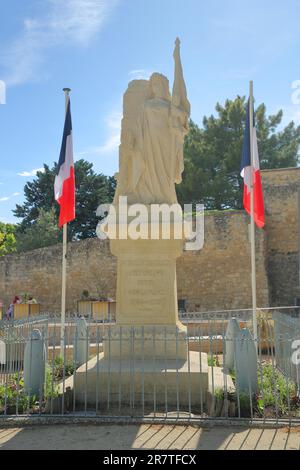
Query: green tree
7, 238
92, 189
213, 154
44, 232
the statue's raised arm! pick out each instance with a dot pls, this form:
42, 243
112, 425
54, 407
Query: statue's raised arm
179, 95
180, 113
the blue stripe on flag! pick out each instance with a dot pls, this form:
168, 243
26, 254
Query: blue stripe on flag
67, 131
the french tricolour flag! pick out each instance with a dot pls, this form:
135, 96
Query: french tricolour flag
247, 170
64, 185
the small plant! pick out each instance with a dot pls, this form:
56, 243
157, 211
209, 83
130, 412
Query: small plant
13, 398
219, 394
51, 389
62, 369
213, 361
276, 395
275, 390
85, 295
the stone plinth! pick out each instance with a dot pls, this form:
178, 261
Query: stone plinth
146, 342
147, 324
145, 356
146, 281
158, 382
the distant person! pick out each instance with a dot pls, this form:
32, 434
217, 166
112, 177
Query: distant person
16, 300
10, 311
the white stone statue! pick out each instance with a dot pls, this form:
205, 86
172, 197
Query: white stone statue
154, 125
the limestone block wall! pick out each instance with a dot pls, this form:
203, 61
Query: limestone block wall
90, 267
214, 278
217, 277
282, 233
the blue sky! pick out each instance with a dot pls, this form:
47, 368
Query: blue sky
96, 47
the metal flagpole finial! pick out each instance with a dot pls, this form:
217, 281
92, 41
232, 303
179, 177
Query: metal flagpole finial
67, 97
251, 88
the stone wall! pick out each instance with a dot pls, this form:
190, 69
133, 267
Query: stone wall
217, 277
90, 267
282, 231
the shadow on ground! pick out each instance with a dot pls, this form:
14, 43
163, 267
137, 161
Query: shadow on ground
147, 436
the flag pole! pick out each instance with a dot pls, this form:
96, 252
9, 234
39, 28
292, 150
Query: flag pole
252, 223
64, 263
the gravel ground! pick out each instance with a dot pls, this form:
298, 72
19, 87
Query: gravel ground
146, 436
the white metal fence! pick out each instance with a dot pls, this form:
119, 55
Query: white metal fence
287, 345
211, 370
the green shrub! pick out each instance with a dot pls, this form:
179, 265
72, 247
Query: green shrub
60, 369
213, 361
274, 390
16, 398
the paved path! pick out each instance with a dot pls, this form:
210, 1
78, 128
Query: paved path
111, 437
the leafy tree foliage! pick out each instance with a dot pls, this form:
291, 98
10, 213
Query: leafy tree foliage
7, 238
44, 232
213, 153
92, 189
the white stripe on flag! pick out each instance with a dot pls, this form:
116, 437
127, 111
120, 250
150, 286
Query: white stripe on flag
255, 151
64, 171
246, 172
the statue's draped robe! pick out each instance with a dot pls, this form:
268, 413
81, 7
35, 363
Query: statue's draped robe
155, 160
156, 182
153, 130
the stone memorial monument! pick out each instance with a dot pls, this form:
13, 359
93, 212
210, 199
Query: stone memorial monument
153, 129
151, 162
147, 347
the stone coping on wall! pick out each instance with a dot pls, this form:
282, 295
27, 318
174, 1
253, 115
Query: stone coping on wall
271, 170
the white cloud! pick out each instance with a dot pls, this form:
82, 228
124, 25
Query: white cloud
140, 74
112, 141
65, 22
31, 172
7, 198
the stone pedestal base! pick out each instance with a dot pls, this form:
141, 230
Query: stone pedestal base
161, 382
146, 281
145, 357
147, 342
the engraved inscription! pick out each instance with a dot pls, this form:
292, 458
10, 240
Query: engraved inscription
149, 287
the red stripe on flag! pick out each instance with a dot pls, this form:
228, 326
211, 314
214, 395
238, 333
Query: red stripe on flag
259, 211
67, 200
